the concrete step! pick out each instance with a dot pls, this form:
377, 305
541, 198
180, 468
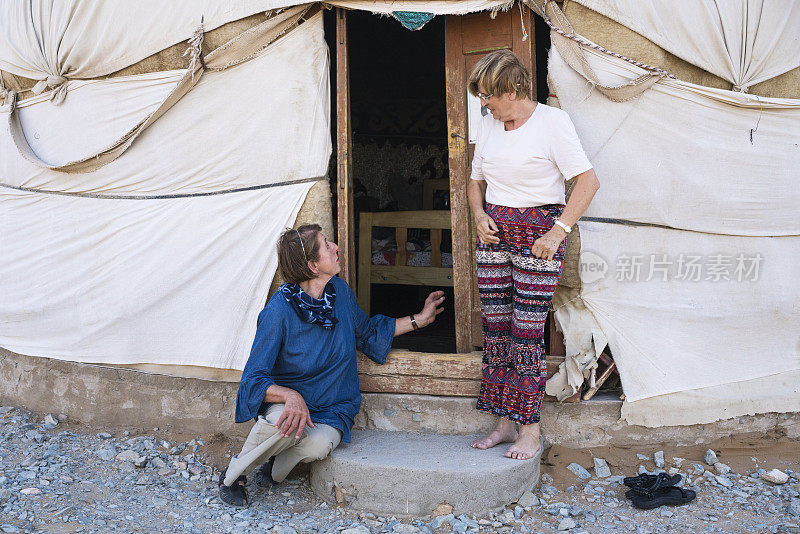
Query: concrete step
398, 473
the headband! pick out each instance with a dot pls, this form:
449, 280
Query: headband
305, 256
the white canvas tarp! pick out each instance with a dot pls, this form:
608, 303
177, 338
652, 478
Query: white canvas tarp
92, 38
689, 250
742, 41
79, 39
156, 246
123, 273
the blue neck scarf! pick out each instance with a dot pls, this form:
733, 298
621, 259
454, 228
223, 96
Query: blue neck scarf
308, 308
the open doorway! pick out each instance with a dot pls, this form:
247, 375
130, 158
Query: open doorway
400, 172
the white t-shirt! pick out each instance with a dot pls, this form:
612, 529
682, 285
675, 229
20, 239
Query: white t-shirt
527, 167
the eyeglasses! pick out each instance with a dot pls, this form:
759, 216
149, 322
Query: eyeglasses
483, 96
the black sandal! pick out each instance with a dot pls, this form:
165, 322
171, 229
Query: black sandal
646, 480
672, 495
264, 474
235, 494
645, 484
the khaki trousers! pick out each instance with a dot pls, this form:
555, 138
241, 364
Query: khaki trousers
265, 441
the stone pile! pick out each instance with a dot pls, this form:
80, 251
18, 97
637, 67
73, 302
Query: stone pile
63, 477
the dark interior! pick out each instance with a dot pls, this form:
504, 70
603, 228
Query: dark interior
399, 128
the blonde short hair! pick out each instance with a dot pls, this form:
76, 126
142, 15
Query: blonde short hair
501, 72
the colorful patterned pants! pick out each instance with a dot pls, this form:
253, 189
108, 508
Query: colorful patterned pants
516, 289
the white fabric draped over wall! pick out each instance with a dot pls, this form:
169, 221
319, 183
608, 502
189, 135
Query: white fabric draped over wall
92, 38
91, 270
742, 41
85, 39
161, 280
689, 251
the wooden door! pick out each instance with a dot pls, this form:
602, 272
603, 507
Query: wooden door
344, 159
468, 38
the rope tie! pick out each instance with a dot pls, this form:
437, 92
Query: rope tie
195, 50
58, 83
571, 47
4, 92
584, 42
9, 96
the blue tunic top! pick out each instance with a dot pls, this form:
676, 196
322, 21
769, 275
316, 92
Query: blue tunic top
317, 362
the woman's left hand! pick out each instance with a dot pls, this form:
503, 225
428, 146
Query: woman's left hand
431, 309
546, 246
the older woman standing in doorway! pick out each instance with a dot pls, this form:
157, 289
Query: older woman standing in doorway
524, 153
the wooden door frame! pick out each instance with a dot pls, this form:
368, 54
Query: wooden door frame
408, 372
465, 297
345, 214
468, 327
459, 206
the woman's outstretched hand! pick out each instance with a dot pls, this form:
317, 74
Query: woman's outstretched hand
431, 309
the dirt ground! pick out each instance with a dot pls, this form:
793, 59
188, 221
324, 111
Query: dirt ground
744, 454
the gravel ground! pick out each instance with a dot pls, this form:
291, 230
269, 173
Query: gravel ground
61, 477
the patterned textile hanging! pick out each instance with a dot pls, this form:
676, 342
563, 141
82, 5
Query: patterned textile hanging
413, 20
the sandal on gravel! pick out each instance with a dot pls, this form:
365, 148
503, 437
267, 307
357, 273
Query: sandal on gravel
672, 495
646, 484
264, 474
235, 494
647, 480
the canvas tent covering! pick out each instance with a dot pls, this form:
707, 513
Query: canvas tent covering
139, 210
690, 208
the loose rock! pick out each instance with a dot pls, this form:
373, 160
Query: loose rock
50, 421
527, 499
658, 458
710, 457
567, 524
438, 521
794, 508
601, 469
776, 476
127, 455
724, 481
722, 469
579, 471
442, 509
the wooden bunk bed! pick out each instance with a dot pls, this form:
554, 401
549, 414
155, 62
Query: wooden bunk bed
400, 272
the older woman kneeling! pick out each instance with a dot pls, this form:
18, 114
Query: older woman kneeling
301, 382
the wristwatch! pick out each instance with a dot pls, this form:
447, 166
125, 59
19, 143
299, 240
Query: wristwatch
566, 228
414, 323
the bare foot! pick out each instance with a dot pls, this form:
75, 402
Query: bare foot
525, 447
496, 436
